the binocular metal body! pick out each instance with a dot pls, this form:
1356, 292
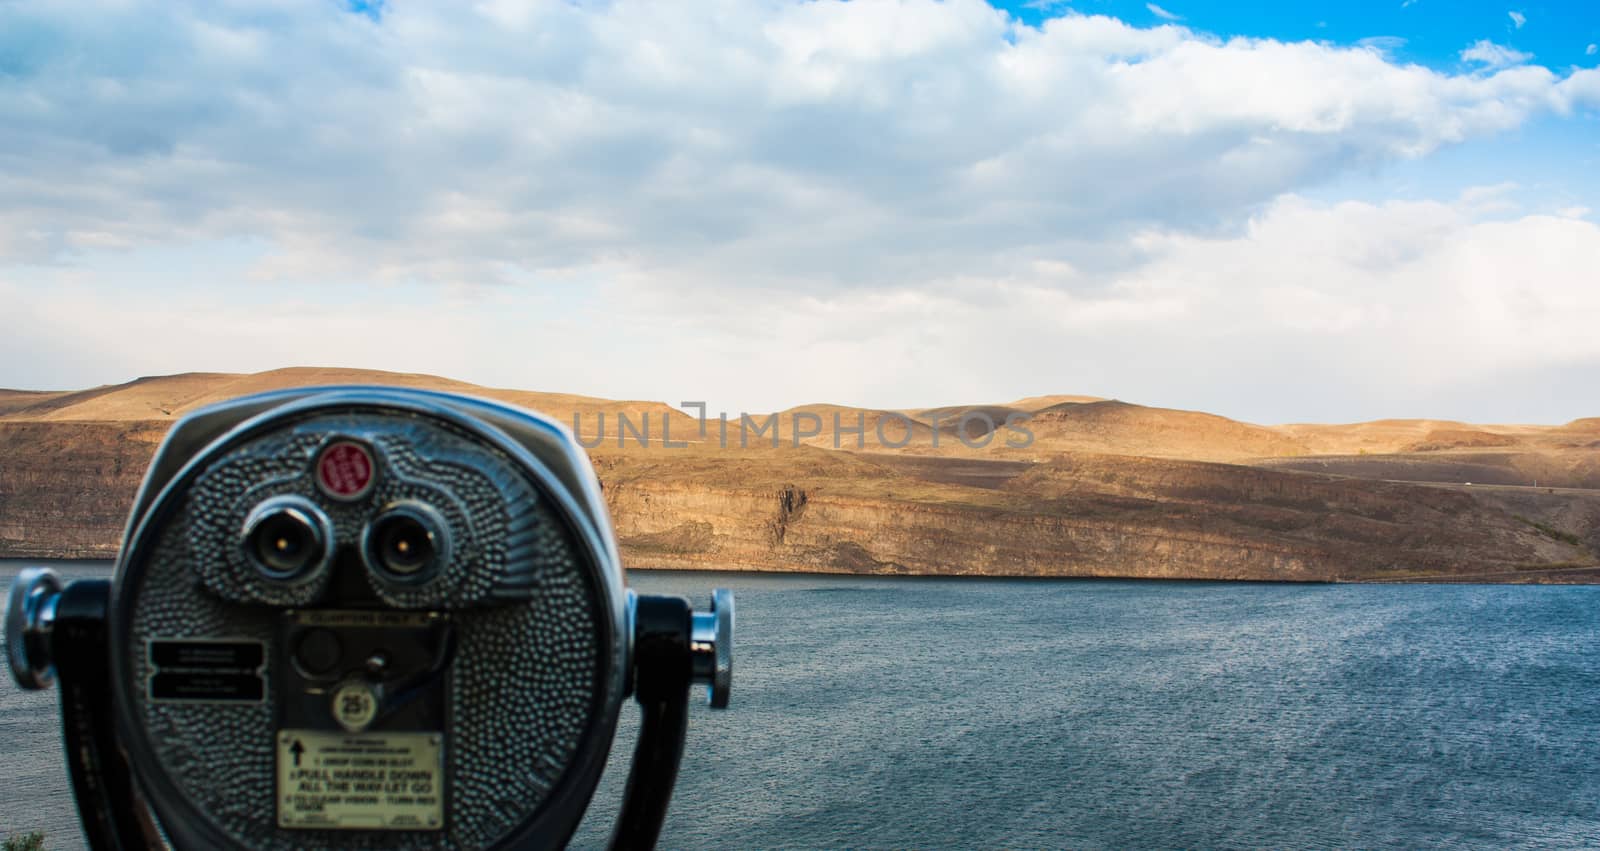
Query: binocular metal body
364, 617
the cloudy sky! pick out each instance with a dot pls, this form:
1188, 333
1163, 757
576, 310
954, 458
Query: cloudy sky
1279, 212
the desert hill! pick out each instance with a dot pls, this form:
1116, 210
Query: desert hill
1121, 428
1035, 403
1392, 436
1104, 488
169, 397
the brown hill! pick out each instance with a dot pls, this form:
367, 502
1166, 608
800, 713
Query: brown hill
1103, 426
842, 427
1445, 439
14, 400
1039, 403
1107, 489
972, 421
1392, 436
1547, 468
165, 398
1586, 427
1120, 428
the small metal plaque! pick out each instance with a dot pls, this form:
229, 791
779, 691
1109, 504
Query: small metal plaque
206, 670
206, 687
208, 654
368, 781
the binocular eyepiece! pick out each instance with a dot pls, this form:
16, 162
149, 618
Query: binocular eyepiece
286, 536
359, 617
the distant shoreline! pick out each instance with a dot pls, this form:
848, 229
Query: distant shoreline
1531, 578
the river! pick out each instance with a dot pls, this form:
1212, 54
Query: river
895, 713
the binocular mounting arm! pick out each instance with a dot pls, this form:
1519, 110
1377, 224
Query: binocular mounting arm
59, 632
674, 647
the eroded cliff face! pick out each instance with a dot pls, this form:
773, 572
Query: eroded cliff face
1093, 516
841, 534
67, 482
66, 488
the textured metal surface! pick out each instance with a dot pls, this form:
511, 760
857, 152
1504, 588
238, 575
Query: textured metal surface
527, 671
502, 536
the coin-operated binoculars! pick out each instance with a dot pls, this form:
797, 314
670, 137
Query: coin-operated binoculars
364, 617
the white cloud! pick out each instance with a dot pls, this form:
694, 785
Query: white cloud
1518, 19
1383, 43
815, 144
1483, 200
1493, 55
1162, 13
1313, 311
789, 199
1591, 50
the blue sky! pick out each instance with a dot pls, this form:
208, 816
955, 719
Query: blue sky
1433, 31
1279, 212
1562, 156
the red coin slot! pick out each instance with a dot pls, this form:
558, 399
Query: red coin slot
345, 470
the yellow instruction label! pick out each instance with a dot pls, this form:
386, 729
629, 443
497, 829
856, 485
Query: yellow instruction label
372, 781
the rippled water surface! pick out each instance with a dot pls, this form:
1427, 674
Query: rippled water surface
992, 713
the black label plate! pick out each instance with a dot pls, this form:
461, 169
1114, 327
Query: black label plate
207, 686
208, 655
207, 670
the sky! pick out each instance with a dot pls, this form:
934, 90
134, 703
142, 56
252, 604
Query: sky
1284, 212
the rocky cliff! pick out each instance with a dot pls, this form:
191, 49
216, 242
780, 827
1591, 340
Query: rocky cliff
66, 487
1090, 515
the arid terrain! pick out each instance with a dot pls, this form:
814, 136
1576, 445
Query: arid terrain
1076, 486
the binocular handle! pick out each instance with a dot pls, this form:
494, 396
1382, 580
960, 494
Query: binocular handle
674, 647
55, 632
30, 619
711, 647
